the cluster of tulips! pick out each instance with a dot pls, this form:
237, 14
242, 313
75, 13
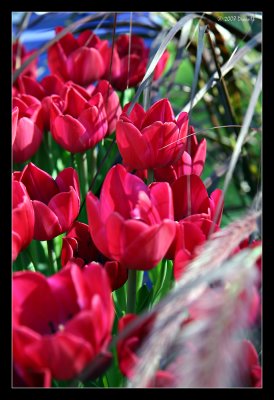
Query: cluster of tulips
153, 206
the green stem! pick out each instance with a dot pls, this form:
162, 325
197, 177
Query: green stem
48, 139
140, 275
150, 176
51, 257
31, 259
131, 291
83, 169
93, 162
72, 160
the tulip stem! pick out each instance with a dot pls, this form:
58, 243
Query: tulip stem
83, 169
53, 268
131, 291
49, 149
150, 176
93, 162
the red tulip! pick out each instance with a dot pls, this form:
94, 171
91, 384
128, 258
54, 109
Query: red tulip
48, 86
60, 323
162, 379
77, 244
152, 139
191, 162
249, 361
56, 202
131, 223
191, 232
159, 69
111, 102
27, 128
127, 351
19, 56
127, 347
22, 219
14, 117
81, 60
190, 197
129, 62
77, 124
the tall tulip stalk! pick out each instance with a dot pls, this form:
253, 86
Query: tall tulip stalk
110, 212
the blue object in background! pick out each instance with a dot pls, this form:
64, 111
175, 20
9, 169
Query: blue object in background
41, 28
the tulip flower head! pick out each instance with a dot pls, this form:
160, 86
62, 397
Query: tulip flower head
60, 323
78, 246
152, 139
27, 127
22, 218
82, 60
131, 223
56, 203
78, 124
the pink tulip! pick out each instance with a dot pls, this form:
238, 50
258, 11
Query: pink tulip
78, 246
191, 162
56, 202
131, 223
81, 60
22, 218
78, 124
60, 323
152, 139
190, 197
27, 127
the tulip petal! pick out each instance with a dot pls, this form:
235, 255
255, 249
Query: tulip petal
15, 113
199, 158
27, 140
96, 225
66, 178
69, 246
68, 41
64, 354
114, 232
166, 174
83, 326
117, 274
66, 207
22, 218
31, 86
16, 245
185, 166
181, 261
95, 122
85, 65
46, 224
216, 200
98, 284
75, 103
132, 146
193, 203
136, 115
57, 61
40, 185
161, 197
69, 133
120, 192
154, 243
159, 111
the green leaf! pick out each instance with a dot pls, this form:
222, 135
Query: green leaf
144, 296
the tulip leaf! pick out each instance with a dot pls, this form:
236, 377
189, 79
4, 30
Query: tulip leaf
144, 296
120, 296
164, 283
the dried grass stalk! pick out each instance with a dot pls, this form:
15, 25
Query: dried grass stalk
206, 349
